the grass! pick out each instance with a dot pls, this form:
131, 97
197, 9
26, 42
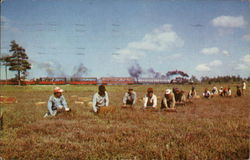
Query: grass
206, 129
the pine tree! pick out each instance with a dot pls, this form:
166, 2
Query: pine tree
5, 59
18, 61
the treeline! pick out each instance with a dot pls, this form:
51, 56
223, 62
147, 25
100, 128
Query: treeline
221, 79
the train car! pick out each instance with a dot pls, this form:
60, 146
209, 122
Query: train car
15, 82
117, 80
28, 82
83, 80
8, 82
153, 81
52, 80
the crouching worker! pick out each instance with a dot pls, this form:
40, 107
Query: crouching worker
129, 98
238, 91
100, 99
206, 93
192, 93
56, 103
168, 101
150, 100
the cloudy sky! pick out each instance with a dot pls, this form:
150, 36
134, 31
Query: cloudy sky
200, 37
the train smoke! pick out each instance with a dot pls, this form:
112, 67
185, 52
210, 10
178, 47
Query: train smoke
155, 74
176, 72
135, 71
52, 69
80, 70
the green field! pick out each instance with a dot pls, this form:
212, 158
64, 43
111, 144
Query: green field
217, 128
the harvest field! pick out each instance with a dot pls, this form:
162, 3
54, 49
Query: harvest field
206, 129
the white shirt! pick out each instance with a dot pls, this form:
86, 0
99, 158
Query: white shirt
129, 97
55, 103
99, 101
215, 90
244, 85
206, 94
153, 100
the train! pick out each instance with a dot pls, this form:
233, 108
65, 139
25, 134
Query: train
94, 81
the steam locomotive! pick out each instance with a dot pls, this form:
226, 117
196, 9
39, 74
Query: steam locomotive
93, 81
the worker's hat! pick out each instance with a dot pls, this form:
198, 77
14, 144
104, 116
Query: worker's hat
168, 91
150, 90
58, 90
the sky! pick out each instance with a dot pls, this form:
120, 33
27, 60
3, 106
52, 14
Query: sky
106, 37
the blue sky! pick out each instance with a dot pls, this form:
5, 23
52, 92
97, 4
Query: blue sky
200, 37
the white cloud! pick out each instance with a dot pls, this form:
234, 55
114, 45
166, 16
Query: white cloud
229, 21
225, 52
208, 66
214, 50
246, 59
215, 63
246, 37
245, 63
202, 67
160, 39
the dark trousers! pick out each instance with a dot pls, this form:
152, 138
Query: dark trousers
129, 102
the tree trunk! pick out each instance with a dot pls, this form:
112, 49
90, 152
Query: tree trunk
18, 78
6, 74
1, 120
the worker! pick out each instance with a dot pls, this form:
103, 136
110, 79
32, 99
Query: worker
168, 101
238, 91
150, 100
244, 87
206, 93
192, 93
179, 96
56, 103
229, 92
221, 91
214, 91
100, 99
129, 98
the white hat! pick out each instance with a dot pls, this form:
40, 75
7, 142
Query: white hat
168, 91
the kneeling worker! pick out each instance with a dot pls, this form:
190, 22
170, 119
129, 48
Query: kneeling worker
206, 93
168, 101
150, 100
100, 99
129, 98
56, 102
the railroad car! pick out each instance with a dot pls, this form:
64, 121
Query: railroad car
117, 80
83, 80
51, 80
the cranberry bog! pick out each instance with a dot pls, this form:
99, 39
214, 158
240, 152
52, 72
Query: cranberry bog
216, 128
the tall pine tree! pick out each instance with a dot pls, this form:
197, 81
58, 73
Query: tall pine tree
18, 61
5, 59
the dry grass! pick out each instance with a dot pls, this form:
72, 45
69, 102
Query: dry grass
206, 129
